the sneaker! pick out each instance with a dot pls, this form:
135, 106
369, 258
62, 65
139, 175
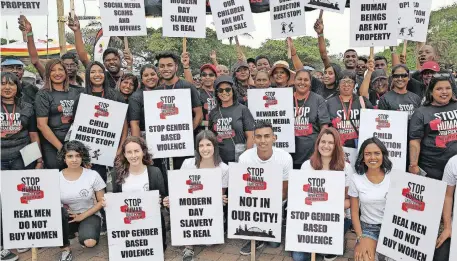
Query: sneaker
330, 257
103, 230
188, 254
7, 255
22, 250
66, 256
246, 249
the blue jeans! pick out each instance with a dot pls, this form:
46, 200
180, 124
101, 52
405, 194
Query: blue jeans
370, 230
303, 256
16, 164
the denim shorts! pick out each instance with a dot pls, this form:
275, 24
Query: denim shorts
371, 230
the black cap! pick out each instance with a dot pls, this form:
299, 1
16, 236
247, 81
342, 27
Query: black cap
223, 78
378, 74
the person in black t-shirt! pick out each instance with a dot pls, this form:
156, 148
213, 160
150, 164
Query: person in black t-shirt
361, 66
380, 63
330, 87
207, 95
433, 129
241, 76
281, 74
18, 125
127, 85
54, 110
379, 82
17, 67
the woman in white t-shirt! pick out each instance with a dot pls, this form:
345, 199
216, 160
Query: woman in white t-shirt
133, 172
206, 157
328, 155
78, 185
368, 191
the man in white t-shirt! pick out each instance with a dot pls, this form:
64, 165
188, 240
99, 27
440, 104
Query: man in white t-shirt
443, 243
263, 153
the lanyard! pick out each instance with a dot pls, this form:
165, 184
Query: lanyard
346, 112
165, 86
10, 119
296, 101
209, 94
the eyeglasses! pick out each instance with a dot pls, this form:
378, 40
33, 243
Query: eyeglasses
397, 76
442, 75
346, 82
227, 90
13, 67
207, 74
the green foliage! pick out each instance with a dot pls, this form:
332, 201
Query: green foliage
31, 68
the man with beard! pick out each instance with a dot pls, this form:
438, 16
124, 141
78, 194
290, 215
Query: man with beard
17, 67
111, 56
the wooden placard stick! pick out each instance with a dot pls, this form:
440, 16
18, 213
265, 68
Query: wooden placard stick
126, 43
72, 9
24, 34
34, 254
372, 52
405, 45
313, 256
184, 45
321, 13
252, 250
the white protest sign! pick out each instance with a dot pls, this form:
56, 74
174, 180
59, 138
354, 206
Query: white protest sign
453, 252
373, 23
411, 217
413, 18
196, 215
385, 126
32, 209
123, 17
24, 7
232, 17
350, 155
169, 129
184, 18
287, 18
134, 226
275, 106
327, 5
98, 124
315, 212
255, 203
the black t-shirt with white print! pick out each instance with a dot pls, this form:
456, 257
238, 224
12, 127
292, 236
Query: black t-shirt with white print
310, 115
393, 101
436, 126
16, 123
57, 106
345, 122
208, 100
229, 124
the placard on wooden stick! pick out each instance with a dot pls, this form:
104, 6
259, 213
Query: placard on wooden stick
184, 19
123, 17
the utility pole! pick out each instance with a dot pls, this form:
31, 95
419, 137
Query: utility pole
61, 27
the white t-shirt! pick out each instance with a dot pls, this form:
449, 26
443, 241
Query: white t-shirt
450, 171
136, 183
190, 164
348, 171
372, 197
280, 157
78, 194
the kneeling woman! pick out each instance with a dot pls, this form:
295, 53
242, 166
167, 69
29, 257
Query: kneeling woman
368, 192
134, 172
206, 157
78, 184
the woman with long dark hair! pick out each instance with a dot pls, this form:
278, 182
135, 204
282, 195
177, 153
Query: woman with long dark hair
328, 155
78, 187
54, 110
206, 157
368, 191
127, 85
311, 115
134, 172
330, 86
432, 129
231, 121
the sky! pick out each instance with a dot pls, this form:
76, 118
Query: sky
336, 26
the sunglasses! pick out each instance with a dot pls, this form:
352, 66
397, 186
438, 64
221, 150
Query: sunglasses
397, 76
227, 90
442, 75
207, 74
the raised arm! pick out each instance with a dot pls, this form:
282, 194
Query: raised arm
213, 57
363, 91
25, 26
185, 60
319, 28
298, 65
73, 24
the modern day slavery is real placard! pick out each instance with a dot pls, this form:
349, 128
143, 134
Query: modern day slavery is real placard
168, 123
32, 209
134, 226
196, 215
274, 106
255, 204
98, 124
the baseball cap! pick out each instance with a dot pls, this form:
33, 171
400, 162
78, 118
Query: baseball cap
378, 74
223, 78
208, 66
308, 68
7, 62
430, 65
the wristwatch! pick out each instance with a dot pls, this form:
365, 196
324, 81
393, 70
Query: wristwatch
357, 240
39, 160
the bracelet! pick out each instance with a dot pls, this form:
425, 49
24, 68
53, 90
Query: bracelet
293, 54
320, 35
357, 239
186, 68
30, 34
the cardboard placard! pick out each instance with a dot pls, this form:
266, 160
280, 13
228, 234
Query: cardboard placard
350, 155
275, 106
33, 209
287, 18
373, 23
385, 125
255, 203
98, 124
134, 226
453, 252
168, 123
411, 217
315, 212
24, 7
184, 18
123, 17
413, 19
232, 17
337, 6
196, 215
